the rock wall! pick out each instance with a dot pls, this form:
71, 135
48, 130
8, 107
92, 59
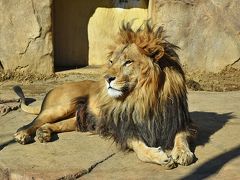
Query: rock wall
103, 27
26, 32
25, 36
208, 32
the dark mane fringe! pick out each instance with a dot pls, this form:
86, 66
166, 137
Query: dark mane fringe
159, 109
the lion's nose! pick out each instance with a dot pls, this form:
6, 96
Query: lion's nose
109, 78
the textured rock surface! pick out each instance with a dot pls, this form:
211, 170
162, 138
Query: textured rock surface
25, 35
208, 32
103, 27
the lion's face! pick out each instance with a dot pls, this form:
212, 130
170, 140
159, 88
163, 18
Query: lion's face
125, 69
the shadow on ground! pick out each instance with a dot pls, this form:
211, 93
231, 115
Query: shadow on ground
12, 141
6, 143
213, 165
209, 123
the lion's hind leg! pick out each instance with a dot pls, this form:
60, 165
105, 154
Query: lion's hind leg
181, 152
25, 134
151, 154
44, 133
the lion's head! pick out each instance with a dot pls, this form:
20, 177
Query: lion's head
144, 93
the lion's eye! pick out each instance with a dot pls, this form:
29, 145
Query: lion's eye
128, 62
110, 62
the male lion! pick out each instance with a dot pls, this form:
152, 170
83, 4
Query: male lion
141, 102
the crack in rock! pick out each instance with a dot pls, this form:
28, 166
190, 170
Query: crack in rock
25, 50
84, 171
38, 20
39, 33
235, 61
4, 174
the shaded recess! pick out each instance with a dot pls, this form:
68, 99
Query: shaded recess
70, 27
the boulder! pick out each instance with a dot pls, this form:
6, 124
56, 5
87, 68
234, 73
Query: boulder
26, 37
103, 27
208, 32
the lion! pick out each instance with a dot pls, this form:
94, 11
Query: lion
140, 101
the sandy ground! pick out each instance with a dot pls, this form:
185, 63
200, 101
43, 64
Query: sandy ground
80, 155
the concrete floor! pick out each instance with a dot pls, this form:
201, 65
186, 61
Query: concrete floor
75, 154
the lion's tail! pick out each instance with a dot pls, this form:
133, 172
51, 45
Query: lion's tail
24, 106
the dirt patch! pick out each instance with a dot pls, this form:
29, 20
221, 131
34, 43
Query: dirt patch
23, 76
91, 73
226, 80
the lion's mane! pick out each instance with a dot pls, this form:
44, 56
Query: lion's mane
157, 109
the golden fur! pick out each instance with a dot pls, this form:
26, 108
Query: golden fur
141, 102
159, 92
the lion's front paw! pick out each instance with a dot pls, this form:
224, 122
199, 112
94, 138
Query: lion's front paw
43, 134
169, 164
160, 157
22, 137
182, 156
